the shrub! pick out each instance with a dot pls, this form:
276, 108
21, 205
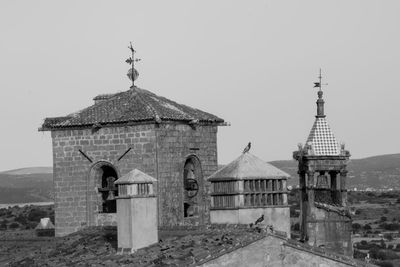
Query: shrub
36, 214
385, 264
3, 225
373, 253
388, 237
383, 244
364, 245
359, 255
45, 232
387, 255
385, 211
390, 226
356, 226
367, 227
21, 219
31, 225
14, 225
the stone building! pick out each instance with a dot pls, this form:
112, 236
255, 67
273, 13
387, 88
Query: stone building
325, 217
135, 129
248, 189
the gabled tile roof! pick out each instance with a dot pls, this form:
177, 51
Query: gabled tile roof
322, 140
248, 166
134, 105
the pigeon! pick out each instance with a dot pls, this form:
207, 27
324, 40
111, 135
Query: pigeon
194, 121
157, 119
247, 148
259, 220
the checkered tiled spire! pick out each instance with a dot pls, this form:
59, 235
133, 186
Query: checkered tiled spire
321, 138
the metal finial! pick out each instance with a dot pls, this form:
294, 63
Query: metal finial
319, 83
133, 74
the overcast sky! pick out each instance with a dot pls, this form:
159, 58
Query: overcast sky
253, 63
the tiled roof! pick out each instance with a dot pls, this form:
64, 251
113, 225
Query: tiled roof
135, 176
45, 223
248, 166
134, 105
96, 246
322, 140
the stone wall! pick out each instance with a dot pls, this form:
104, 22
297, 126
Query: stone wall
74, 175
274, 251
159, 151
331, 230
278, 217
175, 144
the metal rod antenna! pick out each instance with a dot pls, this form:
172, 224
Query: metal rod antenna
320, 80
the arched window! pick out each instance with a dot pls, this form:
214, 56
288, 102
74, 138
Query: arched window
108, 190
192, 182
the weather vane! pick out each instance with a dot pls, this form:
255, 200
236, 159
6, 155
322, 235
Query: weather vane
319, 84
133, 74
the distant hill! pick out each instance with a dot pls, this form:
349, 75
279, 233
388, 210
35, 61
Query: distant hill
26, 185
36, 184
379, 172
31, 170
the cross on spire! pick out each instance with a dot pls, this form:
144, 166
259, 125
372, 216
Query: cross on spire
133, 74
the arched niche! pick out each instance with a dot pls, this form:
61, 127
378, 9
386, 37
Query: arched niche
101, 193
193, 189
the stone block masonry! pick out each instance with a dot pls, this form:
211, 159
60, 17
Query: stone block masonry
175, 143
158, 150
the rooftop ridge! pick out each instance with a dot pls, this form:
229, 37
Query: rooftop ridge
138, 93
248, 166
132, 106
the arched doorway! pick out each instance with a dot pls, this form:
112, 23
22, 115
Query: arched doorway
101, 193
193, 202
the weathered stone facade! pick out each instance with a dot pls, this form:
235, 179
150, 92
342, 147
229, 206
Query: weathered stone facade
325, 219
135, 129
275, 251
159, 150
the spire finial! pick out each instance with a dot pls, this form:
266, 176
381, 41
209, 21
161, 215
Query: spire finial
320, 101
133, 74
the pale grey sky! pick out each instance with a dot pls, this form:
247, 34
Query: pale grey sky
252, 63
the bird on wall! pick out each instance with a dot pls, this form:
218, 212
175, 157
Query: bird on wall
247, 148
259, 220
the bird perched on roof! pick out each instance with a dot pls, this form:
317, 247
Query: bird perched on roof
194, 121
259, 220
157, 118
247, 148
